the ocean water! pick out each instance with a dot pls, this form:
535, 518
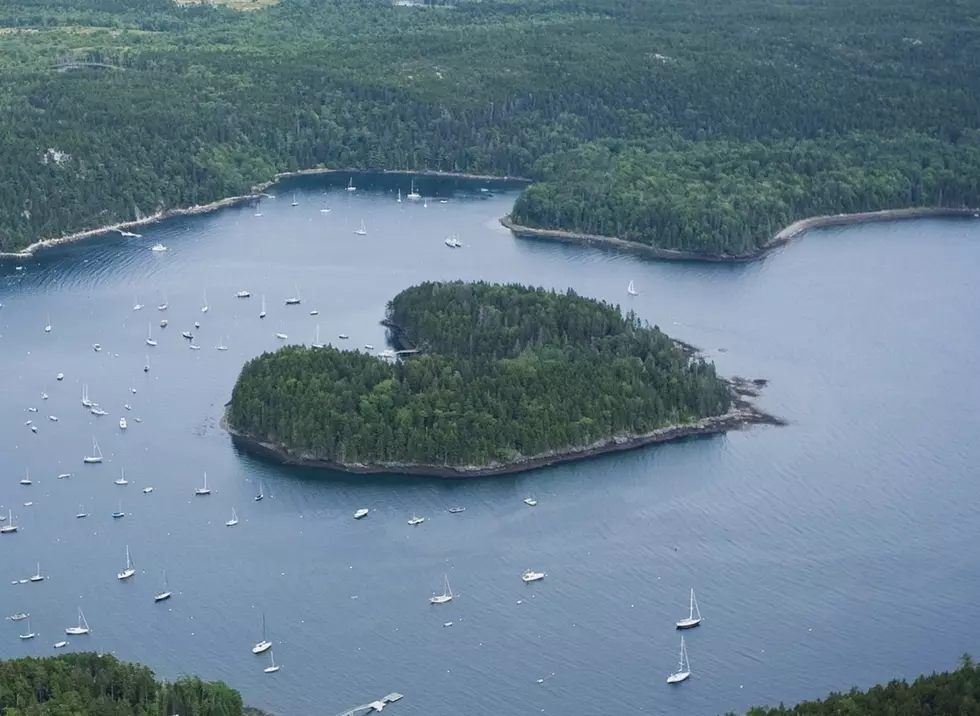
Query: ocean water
838, 551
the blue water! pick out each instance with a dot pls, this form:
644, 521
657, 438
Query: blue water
838, 551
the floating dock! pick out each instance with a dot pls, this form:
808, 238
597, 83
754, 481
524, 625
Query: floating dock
374, 705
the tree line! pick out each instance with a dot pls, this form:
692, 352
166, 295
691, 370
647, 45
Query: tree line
508, 372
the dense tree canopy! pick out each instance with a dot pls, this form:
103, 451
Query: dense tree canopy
86, 684
508, 372
207, 101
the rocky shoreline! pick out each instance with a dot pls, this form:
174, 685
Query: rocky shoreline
741, 415
257, 192
784, 236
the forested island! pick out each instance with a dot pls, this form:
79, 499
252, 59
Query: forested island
703, 128
508, 378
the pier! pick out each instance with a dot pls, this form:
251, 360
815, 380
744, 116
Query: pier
373, 706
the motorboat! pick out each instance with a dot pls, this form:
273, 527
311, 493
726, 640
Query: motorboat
122, 424
343, 336
147, 490
96, 347
188, 335
530, 502
158, 247
531, 576
243, 294
416, 521
363, 512
456, 510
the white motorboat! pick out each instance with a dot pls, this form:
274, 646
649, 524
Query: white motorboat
446, 596
368, 347
363, 512
165, 594
265, 644
127, 406
202, 491
34, 428
96, 457
53, 418
281, 336
60, 644
416, 520
188, 335
531, 576
130, 570
158, 247
64, 476
243, 294
44, 396
530, 501
453, 242
194, 346
121, 480
234, 519
164, 323
60, 376
456, 510
693, 618
147, 490
314, 312
683, 667
273, 667
20, 616
343, 336
82, 627
122, 424
362, 231
96, 410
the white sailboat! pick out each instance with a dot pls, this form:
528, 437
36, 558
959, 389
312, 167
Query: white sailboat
683, 667
82, 627
261, 496
118, 514
221, 346
129, 571
693, 618
273, 667
204, 308
350, 185
316, 339
399, 200
295, 201
96, 456
631, 290
37, 577
146, 365
265, 644
149, 335
47, 326
363, 230
121, 480
262, 312
10, 526
29, 634
163, 306
295, 299
137, 306
446, 596
81, 513
413, 195
85, 401
26, 480
165, 594
201, 491
234, 519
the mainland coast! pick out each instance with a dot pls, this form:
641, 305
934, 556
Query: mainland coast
782, 237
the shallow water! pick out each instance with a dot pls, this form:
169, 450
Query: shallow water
829, 553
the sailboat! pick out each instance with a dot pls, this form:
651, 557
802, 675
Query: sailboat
399, 200
631, 290
137, 306
149, 335
693, 618
259, 497
265, 644
316, 340
118, 514
446, 596
29, 634
163, 306
295, 202
683, 667
81, 512
204, 308
85, 401
234, 519
129, 571
26, 480
82, 627
350, 185
281, 336
146, 366
96, 457
47, 326
413, 195
221, 346
122, 477
201, 491
37, 577
165, 594
262, 312
294, 300
273, 668
363, 230
10, 526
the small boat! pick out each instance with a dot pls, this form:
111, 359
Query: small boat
96, 457
693, 618
243, 294
53, 418
343, 336
26, 480
234, 519
146, 365
259, 497
164, 323
363, 512
631, 290
129, 571
416, 520
188, 335
446, 596
121, 480
447, 624
399, 199
316, 339
683, 667
265, 644
257, 213
47, 325
38, 577
44, 396
29, 634
262, 312
28, 504
413, 195
425, 203
530, 501
273, 667
314, 312
281, 336
295, 203
295, 299
149, 335
60, 376
362, 231
350, 185
221, 346
96, 410
85, 401
147, 490
82, 627
82, 514
20, 616
96, 347
204, 308
368, 347
163, 306
531, 576
194, 346
137, 306
10, 526
127, 406
456, 510
118, 514
324, 210
158, 247
165, 594
139, 420
453, 242
122, 424
34, 428
60, 644
202, 491
64, 476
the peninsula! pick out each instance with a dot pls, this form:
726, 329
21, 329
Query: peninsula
507, 379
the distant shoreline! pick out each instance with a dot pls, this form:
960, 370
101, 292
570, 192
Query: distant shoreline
256, 193
784, 236
742, 414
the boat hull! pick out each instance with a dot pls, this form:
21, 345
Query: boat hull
261, 647
678, 677
688, 623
